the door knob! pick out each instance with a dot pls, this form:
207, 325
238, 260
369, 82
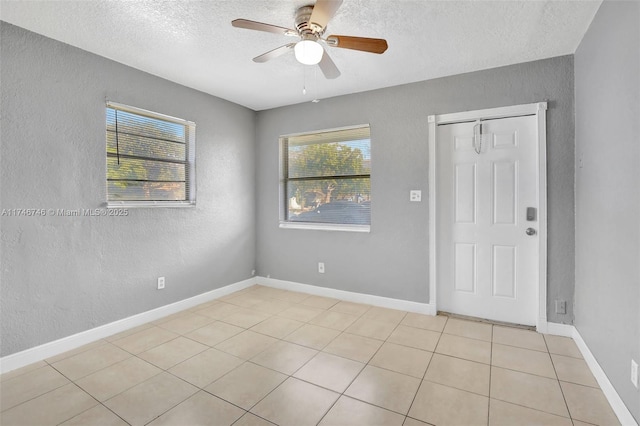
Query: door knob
531, 231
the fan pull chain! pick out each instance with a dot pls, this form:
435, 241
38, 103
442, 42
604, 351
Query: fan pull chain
304, 80
315, 82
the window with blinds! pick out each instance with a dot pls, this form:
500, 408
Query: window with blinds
326, 177
150, 158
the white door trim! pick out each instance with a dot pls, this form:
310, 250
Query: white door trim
537, 109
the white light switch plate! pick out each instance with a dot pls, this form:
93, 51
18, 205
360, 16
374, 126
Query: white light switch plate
415, 195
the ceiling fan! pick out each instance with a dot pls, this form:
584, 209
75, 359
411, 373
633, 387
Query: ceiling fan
310, 25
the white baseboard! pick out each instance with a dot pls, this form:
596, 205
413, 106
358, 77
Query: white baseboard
621, 410
348, 296
563, 330
50, 349
618, 406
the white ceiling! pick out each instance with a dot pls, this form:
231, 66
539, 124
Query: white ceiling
193, 43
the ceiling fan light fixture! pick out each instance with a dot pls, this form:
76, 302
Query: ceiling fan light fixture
308, 52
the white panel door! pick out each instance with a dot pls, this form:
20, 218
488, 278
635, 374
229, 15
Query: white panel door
488, 265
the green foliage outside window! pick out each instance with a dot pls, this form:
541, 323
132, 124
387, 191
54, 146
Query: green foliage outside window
328, 159
329, 169
147, 158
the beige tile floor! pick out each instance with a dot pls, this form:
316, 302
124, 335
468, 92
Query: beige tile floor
263, 356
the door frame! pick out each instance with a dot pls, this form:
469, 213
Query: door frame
539, 110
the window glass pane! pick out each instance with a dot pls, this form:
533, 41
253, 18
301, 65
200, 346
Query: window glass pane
149, 156
145, 147
327, 177
135, 169
342, 135
140, 125
345, 201
124, 190
330, 159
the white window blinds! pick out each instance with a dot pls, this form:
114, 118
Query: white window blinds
150, 157
327, 177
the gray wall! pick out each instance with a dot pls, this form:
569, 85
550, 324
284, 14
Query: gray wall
607, 78
63, 275
392, 260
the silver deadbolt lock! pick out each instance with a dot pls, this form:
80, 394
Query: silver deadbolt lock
531, 214
531, 231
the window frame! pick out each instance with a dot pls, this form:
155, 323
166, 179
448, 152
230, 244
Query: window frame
190, 163
283, 201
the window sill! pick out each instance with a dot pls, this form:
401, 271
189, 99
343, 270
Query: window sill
150, 204
325, 227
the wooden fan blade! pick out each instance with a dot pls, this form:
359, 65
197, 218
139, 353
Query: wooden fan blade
373, 45
259, 26
274, 53
328, 67
323, 11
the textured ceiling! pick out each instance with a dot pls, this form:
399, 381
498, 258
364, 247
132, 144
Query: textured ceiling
193, 42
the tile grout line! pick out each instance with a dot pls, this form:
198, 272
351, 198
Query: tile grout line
84, 391
202, 389
342, 393
356, 376
564, 398
531, 408
182, 335
490, 373
169, 372
268, 299
249, 360
426, 370
69, 381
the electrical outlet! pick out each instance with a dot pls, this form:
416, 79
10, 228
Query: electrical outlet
160, 283
634, 373
321, 267
253, 272
561, 307
415, 195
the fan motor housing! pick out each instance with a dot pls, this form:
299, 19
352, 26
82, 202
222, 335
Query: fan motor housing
304, 27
